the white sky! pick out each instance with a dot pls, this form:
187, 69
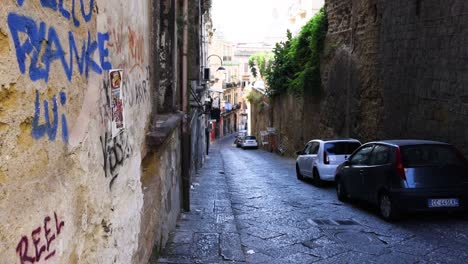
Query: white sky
248, 20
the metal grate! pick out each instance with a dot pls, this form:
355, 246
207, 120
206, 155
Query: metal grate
348, 222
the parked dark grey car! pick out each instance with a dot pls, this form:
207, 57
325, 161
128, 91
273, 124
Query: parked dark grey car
405, 175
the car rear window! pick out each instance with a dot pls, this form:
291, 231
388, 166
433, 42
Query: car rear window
341, 148
430, 155
250, 137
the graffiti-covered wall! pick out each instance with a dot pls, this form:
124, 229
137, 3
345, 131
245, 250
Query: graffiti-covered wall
72, 134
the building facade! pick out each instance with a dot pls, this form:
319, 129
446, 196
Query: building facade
300, 12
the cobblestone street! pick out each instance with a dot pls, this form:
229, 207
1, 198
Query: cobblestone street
248, 206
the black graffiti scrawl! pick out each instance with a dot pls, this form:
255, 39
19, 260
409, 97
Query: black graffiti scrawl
115, 152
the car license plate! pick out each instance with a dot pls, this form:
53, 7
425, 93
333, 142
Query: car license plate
432, 203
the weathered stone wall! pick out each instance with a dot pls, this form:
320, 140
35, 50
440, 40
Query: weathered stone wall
392, 69
161, 181
352, 98
295, 119
424, 70
405, 67
70, 191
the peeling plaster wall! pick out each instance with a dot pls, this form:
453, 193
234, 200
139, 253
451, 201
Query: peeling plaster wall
69, 191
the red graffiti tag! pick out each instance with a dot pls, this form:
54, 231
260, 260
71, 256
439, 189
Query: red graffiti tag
137, 45
42, 238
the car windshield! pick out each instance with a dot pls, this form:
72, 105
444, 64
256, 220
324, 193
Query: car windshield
250, 137
341, 148
430, 155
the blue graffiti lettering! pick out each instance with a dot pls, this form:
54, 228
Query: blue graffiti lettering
59, 7
74, 50
49, 128
52, 4
55, 54
76, 22
103, 51
63, 101
92, 46
87, 17
40, 64
65, 13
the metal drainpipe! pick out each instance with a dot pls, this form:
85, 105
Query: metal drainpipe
186, 144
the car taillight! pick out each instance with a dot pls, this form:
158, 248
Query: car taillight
461, 156
399, 165
326, 160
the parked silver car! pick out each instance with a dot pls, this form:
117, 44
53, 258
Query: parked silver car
320, 158
249, 142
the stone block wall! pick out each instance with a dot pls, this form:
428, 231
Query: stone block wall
424, 70
392, 69
405, 66
351, 105
405, 62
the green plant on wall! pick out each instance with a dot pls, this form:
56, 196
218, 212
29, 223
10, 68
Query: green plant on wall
295, 68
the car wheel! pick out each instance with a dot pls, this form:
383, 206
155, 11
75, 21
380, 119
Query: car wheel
298, 173
341, 191
388, 211
316, 179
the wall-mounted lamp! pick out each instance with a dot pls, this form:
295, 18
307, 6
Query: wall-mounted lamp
221, 68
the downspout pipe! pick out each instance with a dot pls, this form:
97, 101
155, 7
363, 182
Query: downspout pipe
184, 57
186, 138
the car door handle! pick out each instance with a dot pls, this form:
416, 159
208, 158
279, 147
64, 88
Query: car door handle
362, 171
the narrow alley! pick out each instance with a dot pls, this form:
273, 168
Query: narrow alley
280, 219
247, 131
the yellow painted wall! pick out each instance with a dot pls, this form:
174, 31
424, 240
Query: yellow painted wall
70, 192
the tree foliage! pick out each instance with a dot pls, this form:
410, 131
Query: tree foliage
295, 68
261, 61
252, 67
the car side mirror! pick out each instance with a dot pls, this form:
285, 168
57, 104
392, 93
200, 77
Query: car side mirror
346, 163
299, 152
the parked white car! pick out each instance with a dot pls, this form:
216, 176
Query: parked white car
320, 158
239, 137
249, 142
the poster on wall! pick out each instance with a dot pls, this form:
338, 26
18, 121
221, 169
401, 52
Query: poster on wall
118, 122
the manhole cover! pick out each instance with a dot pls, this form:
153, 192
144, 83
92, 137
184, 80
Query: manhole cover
353, 237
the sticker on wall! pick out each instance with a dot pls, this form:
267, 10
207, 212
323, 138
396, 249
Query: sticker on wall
118, 122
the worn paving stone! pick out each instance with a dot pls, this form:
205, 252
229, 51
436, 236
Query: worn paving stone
178, 249
208, 233
261, 232
231, 247
182, 237
262, 214
205, 246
